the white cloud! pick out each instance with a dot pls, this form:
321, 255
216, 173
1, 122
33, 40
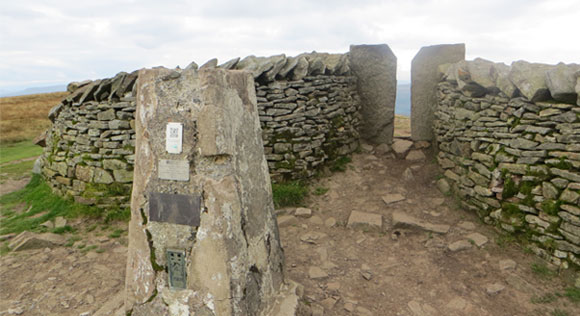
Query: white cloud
62, 40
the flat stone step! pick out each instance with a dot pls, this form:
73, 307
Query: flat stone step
403, 220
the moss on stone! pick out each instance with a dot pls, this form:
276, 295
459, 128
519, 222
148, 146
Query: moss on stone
551, 207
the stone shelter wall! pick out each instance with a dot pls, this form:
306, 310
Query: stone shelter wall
509, 145
308, 109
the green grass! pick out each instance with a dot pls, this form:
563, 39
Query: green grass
320, 191
289, 194
16, 170
41, 206
544, 299
559, 312
19, 150
542, 270
116, 234
573, 294
340, 164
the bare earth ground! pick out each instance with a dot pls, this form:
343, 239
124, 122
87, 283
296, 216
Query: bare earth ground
389, 272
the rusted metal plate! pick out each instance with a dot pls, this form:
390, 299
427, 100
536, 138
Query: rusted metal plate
175, 208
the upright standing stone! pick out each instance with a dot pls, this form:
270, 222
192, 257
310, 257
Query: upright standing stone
424, 80
203, 239
375, 67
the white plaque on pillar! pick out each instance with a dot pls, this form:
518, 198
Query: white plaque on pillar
174, 138
177, 170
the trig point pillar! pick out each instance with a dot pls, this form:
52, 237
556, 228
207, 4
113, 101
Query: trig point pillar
203, 239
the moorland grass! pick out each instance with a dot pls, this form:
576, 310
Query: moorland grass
41, 205
25, 117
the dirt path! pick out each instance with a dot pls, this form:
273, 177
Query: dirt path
344, 271
408, 271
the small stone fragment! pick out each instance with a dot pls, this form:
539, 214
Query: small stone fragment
459, 246
303, 212
393, 198
466, 225
507, 264
494, 289
477, 238
330, 222
316, 220
286, 220
415, 155
443, 186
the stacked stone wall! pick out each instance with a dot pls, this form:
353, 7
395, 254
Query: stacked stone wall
308, 108
509, 141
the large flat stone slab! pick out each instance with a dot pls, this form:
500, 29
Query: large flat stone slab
424, 79
365, 220
375, 67
403, 220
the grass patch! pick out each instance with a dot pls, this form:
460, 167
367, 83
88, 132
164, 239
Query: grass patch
289, 194
71, 241
573, 294
559, 312
542, 270
16, 170
25, 117
116, 234
544, 299
320, 191
4, 249
18, 151
504, 240
340, 164
41, 206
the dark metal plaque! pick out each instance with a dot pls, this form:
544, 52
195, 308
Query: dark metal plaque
176, 268
175, 208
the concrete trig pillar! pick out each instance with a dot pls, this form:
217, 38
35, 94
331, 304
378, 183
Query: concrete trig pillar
424, 80
203, 239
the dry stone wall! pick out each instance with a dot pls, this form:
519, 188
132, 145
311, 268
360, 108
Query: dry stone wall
90, 149
509, 141
308, 109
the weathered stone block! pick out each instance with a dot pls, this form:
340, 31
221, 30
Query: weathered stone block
375, 67
424, 79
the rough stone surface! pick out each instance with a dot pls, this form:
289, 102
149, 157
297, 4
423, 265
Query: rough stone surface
375, 66
424, 79
459, 246
401, 147
530, 79
393, 198
363, 219
561, 81
402, 220
28, 240
236, 248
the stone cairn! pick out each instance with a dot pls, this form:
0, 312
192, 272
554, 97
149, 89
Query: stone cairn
308, 106
509, 141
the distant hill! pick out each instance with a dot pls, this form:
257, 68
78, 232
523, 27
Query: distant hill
35, 90
403, 103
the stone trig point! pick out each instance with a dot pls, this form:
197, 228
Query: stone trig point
203, 239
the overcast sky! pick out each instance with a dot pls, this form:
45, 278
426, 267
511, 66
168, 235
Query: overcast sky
49, 42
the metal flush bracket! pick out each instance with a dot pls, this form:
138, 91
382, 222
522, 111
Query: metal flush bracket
176, 269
